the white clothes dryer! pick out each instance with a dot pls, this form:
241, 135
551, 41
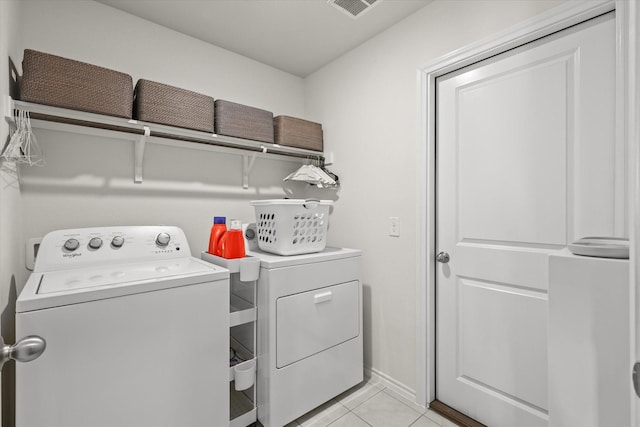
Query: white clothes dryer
136, 331
309, 331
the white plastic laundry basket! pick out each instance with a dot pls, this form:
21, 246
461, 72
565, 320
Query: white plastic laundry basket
292, 226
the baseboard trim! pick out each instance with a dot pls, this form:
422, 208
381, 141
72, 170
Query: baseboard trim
453, 415
377, 377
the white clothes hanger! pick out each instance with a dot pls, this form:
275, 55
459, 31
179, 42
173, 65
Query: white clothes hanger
313, 175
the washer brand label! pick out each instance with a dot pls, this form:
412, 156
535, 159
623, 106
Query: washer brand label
71, 255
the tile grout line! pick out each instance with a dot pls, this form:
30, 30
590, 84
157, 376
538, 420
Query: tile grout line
378, 389
350, 412
405, 404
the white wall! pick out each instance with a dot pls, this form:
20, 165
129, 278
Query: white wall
367, 101
88, 181
9, 187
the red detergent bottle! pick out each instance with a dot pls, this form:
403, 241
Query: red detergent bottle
232, 242
217, 231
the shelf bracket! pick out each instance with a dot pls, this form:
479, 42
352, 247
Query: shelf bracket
139, 154
8, 107
247, 165
328, 159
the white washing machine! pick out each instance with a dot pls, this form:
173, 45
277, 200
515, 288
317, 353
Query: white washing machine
136, 331
309, 331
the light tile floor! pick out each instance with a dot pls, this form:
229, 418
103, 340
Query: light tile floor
371, 404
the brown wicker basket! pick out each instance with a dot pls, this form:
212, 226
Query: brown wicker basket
294, 132
169, 105
61, 82
243, 121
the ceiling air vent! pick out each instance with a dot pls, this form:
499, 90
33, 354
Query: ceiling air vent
354, 8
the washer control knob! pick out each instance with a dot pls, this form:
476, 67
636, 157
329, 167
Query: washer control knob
117, 241
95, 243
71, 244
163, 239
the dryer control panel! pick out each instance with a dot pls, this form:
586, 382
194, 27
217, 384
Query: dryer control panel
79, 247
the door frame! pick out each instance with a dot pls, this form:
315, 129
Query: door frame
627, 131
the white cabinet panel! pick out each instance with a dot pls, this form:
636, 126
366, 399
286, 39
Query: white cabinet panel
310, 322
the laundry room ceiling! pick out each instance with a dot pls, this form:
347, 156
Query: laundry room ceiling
296, 36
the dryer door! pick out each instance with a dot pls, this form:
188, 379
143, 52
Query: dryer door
310, 322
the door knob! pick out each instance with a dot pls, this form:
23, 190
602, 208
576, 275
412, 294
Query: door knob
442, 257
635, 378
25, 350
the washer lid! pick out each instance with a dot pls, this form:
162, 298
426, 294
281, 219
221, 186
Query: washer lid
604, 247
56, 288
118, 275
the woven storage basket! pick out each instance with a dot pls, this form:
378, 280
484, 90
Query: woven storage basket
294, 132
61, 82
169, 105
242, 121
292, 226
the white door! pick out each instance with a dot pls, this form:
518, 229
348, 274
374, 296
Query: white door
527, 161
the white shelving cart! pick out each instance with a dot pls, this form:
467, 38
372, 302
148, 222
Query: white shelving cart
242, 329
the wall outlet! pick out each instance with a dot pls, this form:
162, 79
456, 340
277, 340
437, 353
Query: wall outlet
394, 226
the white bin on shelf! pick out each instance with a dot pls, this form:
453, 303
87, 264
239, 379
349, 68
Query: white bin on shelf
292, 226
249, 269
244, 374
